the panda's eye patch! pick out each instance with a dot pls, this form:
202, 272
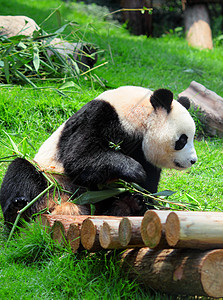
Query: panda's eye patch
181, 142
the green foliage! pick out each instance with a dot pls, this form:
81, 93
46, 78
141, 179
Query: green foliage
197, 116
31, 244
42, 270
33, 59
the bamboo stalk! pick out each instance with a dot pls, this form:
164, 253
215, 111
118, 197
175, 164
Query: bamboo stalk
199, 230
177, 271
24, 209
129, 232
153, 228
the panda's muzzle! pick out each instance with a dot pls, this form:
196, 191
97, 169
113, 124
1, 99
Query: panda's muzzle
178, 165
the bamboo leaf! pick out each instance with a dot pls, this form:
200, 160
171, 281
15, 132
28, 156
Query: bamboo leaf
25, 78
15, 148
24, 147
48, 66
69, 84
6, 69
165, 193
36, 61
92, 197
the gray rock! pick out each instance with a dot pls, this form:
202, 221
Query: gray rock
17, 25
209, 104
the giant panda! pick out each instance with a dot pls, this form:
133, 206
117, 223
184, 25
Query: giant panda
152, 131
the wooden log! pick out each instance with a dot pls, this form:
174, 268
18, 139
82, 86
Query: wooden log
67, 232
59, 232
197, 26
129, 232
90, 232
177, 271
73, 236
109, 235
64, 228
153, 228
47, 221
198, 230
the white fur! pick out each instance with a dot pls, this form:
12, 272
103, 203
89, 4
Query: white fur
46, 157
163, 131
132, 105
159, 129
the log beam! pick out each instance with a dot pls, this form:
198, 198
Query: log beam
129, 232
194, 229
90, 231
153, 229
177, 271
109, 235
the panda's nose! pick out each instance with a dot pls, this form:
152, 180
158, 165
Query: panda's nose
193, 161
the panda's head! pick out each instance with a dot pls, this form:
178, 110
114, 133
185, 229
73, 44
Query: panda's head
168, 138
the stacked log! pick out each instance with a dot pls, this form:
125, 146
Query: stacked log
129, 232
177, 271
187, 252
197, 230
90, 232
157, 230
153, 229
64, 229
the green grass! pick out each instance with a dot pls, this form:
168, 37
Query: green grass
33, 267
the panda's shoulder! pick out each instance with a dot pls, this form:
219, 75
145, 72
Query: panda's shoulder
94, 113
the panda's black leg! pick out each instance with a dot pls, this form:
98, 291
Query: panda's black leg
17, 204
22, 183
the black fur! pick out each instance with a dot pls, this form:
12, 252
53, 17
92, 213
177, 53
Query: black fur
87, 156
184, 101
94, 148
162, 98
21, 184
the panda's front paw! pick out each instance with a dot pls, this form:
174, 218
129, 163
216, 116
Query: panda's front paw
18, 203
128, 205
134, 173
137, 204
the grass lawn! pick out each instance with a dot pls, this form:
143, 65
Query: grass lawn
32, 267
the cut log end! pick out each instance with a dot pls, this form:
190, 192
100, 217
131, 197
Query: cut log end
105, 236
88, 234
212, 274
58, 232
125, 230
172, 228
151, 229
73, 236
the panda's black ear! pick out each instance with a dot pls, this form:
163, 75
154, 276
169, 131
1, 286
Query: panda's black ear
184, 101
162, 98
